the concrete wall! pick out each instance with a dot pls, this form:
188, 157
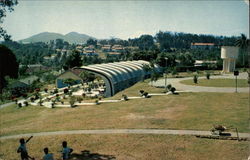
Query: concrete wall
229, 54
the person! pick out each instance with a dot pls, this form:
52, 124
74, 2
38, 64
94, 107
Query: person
47, 156
23, 150
66, 151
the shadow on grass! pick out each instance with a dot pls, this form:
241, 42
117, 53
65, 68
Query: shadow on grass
87, 155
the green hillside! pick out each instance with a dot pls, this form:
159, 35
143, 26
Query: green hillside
72, 37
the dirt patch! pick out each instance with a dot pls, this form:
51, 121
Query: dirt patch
134, 116
171, 112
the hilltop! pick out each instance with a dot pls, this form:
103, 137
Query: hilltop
72, 37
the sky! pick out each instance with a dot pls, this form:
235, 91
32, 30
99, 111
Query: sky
129, 18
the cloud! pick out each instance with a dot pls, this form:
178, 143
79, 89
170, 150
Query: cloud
247, 1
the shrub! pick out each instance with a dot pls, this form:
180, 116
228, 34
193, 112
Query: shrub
97, 102
32, 99
65, 91
20, 105
195, 79
172, 90
36, 96
141, 92
83, 95
169, 86
26, 103
124, 97
55, 91
58, 98
72, 101
208, 75
145, 94
79, 99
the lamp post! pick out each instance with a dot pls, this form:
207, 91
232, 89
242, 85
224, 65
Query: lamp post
165, 74
236, 73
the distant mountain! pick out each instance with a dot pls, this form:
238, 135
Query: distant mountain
72, 37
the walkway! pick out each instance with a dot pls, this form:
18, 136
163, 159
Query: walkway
6, 105
122, 131
175, 82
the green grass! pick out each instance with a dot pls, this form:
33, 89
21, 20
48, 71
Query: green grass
198, 111
133, 147
217, 82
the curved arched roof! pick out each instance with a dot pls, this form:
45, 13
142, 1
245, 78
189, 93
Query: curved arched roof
120, 73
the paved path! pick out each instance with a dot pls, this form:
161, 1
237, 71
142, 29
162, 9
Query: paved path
122, 131
176, 83
6, 105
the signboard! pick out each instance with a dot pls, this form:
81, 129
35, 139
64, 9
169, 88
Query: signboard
236, 73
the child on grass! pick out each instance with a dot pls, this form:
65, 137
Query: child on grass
23, 150
66, 151
47, 156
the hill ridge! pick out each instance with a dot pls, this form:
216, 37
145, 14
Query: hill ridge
71, 37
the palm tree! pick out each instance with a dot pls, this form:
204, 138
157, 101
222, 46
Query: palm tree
243, 44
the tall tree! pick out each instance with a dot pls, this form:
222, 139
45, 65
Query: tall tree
146, 42
243, 43
5, 5
8, 65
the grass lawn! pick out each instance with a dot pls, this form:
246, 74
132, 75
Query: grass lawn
217, 82
132, 147
198, 111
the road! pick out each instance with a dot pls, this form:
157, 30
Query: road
175, 82
122, 131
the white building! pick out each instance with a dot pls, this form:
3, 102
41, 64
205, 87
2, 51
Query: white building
229, 54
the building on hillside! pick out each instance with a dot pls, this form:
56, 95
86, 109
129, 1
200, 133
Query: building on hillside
50, 58
89, 49
58, 50
106, 48
79, 47
202, 45
70, 74
114, 54
32, 68
117, 48
24, 83
203, 63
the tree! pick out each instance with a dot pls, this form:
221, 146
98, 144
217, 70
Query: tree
91, 42
146, 42
186, 59
154, 76
59, 43
74, 60
4, 6
243, 43
8, 65
86, 76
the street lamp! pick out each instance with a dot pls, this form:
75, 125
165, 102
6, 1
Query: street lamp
236, 73
165, 74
